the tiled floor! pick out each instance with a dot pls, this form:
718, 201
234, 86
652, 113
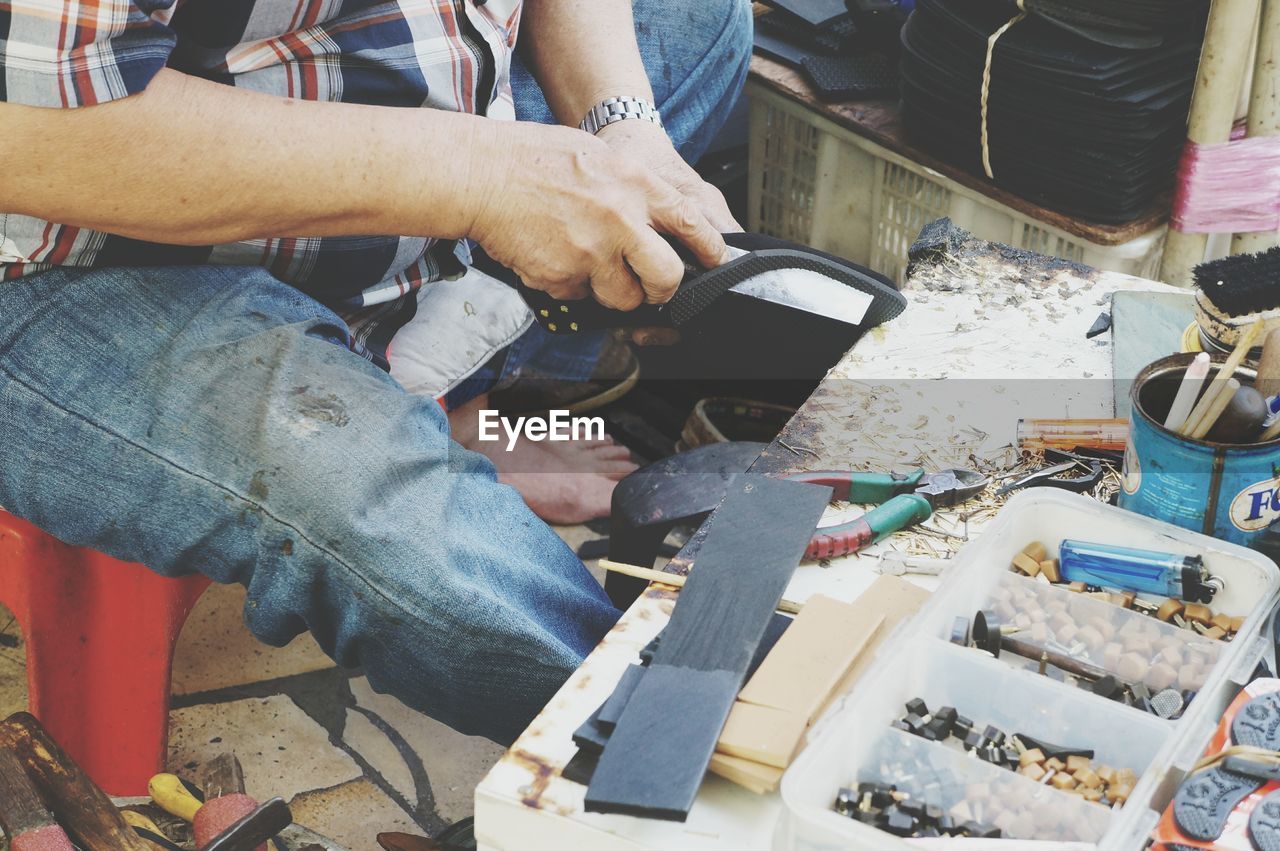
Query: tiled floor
351, 762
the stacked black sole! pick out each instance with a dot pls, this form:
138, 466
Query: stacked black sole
1089, 128
847, 52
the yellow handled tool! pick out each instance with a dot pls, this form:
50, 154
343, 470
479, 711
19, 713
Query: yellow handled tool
170, 795
148, 830
137, 819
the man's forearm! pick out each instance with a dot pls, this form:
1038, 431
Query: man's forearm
581, 52
193, 162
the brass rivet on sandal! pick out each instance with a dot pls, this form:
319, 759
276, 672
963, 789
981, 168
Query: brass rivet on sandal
543, 313
564, 308
573, 326
551, 326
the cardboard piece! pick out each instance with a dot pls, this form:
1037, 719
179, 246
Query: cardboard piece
820, 656
897, 600
764, 734
748, 774
811, 656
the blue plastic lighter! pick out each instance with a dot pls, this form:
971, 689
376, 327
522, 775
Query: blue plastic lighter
1144, 571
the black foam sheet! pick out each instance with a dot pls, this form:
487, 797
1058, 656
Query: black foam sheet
755, 539
1089, 128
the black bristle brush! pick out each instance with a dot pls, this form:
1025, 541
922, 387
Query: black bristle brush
1233, 293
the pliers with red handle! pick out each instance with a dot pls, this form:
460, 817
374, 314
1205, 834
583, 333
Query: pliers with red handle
901, 500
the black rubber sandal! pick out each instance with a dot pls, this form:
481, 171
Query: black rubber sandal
702, 288
1204, 802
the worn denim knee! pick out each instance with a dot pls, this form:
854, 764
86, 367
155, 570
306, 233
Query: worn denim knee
213, 420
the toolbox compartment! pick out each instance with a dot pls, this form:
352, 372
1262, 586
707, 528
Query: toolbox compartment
945, 777
943, 674
848, 745
1119, 629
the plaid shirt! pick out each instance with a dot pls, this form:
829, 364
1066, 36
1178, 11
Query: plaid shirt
442, 54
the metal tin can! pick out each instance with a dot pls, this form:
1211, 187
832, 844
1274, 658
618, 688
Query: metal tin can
1229, 491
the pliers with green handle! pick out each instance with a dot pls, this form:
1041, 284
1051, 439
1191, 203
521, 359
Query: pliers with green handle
901, 500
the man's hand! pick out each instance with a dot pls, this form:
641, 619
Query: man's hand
648, 144
573, 217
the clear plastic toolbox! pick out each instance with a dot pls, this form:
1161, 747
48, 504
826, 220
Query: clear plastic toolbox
855, 741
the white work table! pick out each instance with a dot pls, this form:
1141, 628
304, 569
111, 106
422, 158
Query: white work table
1008, 331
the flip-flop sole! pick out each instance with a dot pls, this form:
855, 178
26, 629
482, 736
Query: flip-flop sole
1204, 802
1258, 723
1264, 823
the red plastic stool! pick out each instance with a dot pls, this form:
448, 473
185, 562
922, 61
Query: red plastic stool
100, 635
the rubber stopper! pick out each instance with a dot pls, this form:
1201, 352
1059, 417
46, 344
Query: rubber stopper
986, 631
218, 814
47, 838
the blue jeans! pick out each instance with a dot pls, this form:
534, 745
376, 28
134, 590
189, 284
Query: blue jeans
213, 419
696, 54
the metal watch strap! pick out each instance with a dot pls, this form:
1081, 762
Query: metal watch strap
615, 109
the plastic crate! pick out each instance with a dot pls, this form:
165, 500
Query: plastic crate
818, 183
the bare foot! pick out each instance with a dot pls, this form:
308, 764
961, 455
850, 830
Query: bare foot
597, 456
563, 482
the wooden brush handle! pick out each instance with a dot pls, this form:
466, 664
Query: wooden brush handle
1219, 404
1223, 62
1264, 110
1268, 380
1218, 385
26, 821
80, 806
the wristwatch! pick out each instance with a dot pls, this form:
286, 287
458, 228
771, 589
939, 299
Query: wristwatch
615, 109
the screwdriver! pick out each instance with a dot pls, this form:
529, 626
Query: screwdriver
225, 801
229, 816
